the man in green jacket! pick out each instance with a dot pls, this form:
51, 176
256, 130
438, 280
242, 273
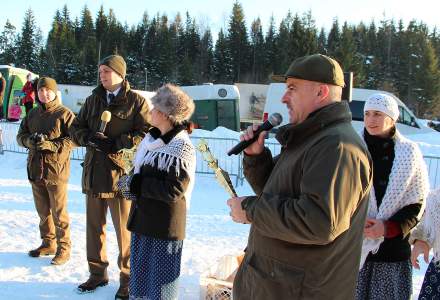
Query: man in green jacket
44, 131
309, 213
104, 164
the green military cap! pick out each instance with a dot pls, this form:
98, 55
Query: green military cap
116, 63
49, 83
316, 67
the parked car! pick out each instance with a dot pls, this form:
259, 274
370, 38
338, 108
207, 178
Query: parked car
407, 122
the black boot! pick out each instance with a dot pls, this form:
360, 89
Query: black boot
92, 284
122, 293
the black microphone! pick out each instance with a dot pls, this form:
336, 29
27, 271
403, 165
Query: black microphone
275, 119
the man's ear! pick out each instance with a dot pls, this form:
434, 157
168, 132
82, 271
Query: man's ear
323, 92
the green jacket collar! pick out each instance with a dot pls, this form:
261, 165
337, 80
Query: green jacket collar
331, 114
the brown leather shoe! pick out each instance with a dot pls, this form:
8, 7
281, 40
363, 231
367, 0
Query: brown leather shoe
92, 284
122, 293
61, 257
43, 250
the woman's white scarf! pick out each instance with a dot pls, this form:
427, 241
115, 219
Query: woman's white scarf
408, 183
179, 152
429, 226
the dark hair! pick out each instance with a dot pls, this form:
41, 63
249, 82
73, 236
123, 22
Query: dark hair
188, 125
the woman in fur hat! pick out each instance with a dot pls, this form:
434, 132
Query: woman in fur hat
424, 237
164, 171
400, 185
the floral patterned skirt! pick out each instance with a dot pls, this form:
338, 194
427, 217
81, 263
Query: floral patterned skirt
431, 284
385, 280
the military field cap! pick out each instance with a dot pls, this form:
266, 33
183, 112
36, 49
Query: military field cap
48, 83
116, 63
316, 67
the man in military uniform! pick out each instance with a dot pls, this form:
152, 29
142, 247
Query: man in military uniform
104, 164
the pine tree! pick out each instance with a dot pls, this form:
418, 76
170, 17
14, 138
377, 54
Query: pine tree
372, 60
310, 39
191, 47
223, 72
283, 59
295, 47
334, 39
178, 37
28, 46
258, 51
136, 56
270, 51
101, 30
151, 47
205, 60
86, 44
8, 43
61, 48
435, 41
238, 44
347, 53
322, 42
166, 52
427, 87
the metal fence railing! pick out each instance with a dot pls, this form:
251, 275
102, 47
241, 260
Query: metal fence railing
218, 146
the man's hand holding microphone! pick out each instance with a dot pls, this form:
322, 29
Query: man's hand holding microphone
252, 143
99, 140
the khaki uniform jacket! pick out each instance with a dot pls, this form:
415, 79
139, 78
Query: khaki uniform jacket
127, 127
53, 120
308, 218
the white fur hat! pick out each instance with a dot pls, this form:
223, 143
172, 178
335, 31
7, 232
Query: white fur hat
384, 103
174, 102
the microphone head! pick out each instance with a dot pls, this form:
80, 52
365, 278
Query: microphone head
106, 116
275, 119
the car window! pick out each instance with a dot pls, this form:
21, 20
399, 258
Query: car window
406, 118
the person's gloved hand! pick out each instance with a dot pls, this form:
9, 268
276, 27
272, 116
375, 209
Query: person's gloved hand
135, 184
47, 146
102, 143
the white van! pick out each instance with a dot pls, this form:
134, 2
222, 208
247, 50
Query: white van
407, 122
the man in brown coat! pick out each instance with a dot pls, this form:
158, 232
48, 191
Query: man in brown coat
44, 131
104, 164
309, 213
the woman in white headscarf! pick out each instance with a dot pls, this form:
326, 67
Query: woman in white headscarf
400, 185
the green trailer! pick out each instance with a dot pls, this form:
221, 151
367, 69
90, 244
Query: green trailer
15, 79
216, 105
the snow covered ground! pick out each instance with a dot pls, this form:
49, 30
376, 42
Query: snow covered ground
210, 235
